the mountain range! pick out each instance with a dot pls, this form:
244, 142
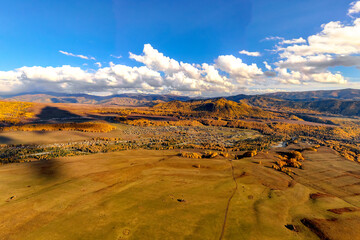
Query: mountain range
129, 99
344, 102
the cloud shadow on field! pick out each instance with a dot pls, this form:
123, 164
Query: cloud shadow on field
5, 140
49, 169
57, 115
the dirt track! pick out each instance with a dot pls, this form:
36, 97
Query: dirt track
229, 201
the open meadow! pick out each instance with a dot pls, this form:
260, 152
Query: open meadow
179, 170
148, 194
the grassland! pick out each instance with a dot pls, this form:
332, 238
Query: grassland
160, 174
143, 194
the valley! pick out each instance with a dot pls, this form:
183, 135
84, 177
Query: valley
193, 169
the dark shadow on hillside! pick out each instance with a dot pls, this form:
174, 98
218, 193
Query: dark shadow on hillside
5, 140
56, 115
64, 100
208, 107
114, 118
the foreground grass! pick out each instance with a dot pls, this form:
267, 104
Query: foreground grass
143, 194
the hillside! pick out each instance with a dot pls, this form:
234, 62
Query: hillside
125, 101
332, 106
136, 99
346, 108
344, 102
343, 94
130, 99
215, 108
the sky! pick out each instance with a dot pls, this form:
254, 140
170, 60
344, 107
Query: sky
186, 47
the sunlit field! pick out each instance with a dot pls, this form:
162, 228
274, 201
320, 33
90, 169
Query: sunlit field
157, 194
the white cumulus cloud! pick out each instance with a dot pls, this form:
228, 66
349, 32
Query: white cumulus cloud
253, 54
293, 41
355, 8
237, 69
335, 38
267, 66
181, 76
336, 45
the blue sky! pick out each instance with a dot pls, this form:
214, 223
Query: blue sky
190, 31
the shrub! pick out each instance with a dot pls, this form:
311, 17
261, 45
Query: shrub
238, 156
190, 155
276, 167
297, 155
224, 154
294, 163
147, 123
280, 163
210, 154
288, 160
288, 171
250, 153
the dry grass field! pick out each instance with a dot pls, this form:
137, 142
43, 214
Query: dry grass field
143, 194
158, 194
48, 137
